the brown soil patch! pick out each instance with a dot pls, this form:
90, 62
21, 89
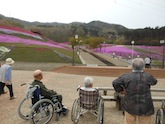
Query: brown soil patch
105, 71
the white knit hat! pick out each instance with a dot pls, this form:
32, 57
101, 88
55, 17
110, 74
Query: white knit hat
9, 61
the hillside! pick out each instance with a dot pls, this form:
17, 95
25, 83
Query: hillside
26, 46
112, 33
60, 32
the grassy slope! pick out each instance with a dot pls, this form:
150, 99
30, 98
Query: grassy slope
35, 53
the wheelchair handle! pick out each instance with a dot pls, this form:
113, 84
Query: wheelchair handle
78, 87
37, 86
23, 84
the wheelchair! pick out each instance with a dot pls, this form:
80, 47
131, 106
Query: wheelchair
88, 101
160, 114
37, 109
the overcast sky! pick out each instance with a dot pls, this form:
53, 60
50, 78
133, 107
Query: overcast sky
129, 13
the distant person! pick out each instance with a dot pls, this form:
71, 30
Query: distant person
113, 54
147, 62
6, 77
47, 93
138, 104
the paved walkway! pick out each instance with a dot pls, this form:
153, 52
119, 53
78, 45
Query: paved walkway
65, 84
89, 59
116, 61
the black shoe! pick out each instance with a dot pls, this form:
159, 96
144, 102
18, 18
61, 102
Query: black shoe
3, 93
47, 113
65, 111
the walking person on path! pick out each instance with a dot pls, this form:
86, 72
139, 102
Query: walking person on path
138, 104
6, 77
147, 62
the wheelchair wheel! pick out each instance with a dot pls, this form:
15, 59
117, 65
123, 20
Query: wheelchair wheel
41, 112
75, 113
100, 118
160, 117
25, 108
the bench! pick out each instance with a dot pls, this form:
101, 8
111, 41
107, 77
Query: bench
105, 89
112, 98
108, 98
118, 102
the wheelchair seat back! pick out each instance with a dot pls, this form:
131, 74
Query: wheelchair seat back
36, 95
33, 93
163, 105
30, 91
89, 99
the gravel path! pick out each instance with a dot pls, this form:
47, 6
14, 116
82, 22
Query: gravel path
66, 85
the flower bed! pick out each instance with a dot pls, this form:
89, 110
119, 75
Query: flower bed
155, 52
15, 30
13, 39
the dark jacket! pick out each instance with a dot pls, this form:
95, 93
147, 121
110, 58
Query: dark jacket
44, 91
138, 99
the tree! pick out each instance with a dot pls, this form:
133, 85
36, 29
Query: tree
94, 42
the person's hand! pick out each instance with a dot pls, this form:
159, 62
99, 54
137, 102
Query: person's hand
7, 83
123, 92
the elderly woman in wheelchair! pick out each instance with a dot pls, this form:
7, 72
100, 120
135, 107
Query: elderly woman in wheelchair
160, 114
43, 103
89, 101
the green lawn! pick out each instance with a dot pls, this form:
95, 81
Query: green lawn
34, 53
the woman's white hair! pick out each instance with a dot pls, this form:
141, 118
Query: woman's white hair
88, 81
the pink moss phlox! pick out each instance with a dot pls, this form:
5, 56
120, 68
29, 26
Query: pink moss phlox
13, 39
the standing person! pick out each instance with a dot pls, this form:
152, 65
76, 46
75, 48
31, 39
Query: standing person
6, 77
1, 85
147, 62
138, 104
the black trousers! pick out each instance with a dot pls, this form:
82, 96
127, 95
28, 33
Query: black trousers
1, 89
10, 87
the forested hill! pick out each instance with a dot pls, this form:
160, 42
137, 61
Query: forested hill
113, 33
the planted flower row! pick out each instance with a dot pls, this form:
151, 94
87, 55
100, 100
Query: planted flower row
126, 53
13, 39
13, 30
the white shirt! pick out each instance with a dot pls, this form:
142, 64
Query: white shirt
147, 60
88, 88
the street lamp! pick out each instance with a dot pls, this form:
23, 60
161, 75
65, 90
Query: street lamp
150, 52
79, 46
162, 42
73, 55
76, 38
132, 42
